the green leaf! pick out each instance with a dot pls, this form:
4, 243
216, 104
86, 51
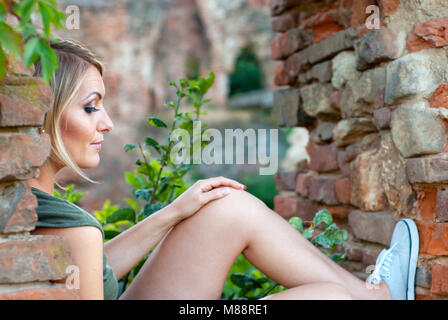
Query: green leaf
127, 214
323, 216
31, 55
47, 17
129, 147
3, 9
156, 122
170, 104
297, 223
132, 203
38, 48
308, 233
338, 257
49, 60
24, 11
143, 194
132, 180
10, 39
323, 241
153, 143
3, 63
28, 31
151, 208
109, 234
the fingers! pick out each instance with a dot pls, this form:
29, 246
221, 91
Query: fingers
209, 184
216, 193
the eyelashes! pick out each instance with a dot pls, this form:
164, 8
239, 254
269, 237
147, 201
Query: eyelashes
90, 108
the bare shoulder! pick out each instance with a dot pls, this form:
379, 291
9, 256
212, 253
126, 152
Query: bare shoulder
86, 250
81, 233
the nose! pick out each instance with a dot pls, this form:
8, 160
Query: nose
105, 124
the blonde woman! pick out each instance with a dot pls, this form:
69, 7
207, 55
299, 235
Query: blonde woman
200, 234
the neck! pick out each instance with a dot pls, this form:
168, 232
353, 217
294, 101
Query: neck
46, 179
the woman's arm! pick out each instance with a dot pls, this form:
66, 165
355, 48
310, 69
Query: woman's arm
125, 250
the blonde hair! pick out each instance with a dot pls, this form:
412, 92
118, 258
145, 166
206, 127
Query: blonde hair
74, 59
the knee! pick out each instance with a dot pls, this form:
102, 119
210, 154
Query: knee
236, 205
239, 209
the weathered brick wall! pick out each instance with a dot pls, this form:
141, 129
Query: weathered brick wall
374, 102
27, 262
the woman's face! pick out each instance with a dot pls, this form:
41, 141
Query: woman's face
85, 121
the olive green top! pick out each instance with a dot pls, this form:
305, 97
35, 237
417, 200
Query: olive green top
54, 212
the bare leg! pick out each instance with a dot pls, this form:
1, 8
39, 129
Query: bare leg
194, 258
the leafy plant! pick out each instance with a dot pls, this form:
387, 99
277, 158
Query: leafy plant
70, 194
26, 42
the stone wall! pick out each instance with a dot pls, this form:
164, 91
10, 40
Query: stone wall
27, 262
375, 104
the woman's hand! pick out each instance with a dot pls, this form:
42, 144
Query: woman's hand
201, 193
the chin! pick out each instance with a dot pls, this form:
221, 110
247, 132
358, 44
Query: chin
90, 164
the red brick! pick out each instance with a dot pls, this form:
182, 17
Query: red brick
442, 206
19, 205
17, 67
285, 206
415, 43
382, 118
285, 22
322, 189
372, 226
323, 158
347, 3
279, 6
286, 180
335, 100
337, 212
359, 15
323, 25
388, 7
440, 97
433, 238
294, 64
427, 201
29, 95
290, 206
34, 258
281, 76
303, 182
440, 279
55, 292
430, 34
343, 190
322, 32
285, 44
22, 155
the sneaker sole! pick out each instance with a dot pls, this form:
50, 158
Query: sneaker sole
413, 257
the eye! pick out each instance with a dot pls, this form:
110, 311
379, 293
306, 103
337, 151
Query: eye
90, 108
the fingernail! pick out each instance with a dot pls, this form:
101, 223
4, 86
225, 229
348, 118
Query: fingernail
225, 190
243, 187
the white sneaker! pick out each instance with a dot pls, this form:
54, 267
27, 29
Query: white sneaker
396, 266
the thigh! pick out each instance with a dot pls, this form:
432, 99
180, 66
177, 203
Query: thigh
193, 259
313, 291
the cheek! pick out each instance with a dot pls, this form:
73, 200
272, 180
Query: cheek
77, 131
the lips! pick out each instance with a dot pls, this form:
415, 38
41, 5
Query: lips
97, 145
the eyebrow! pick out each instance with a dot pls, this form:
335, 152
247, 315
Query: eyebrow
92, 94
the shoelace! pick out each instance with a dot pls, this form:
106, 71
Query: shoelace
382, 269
